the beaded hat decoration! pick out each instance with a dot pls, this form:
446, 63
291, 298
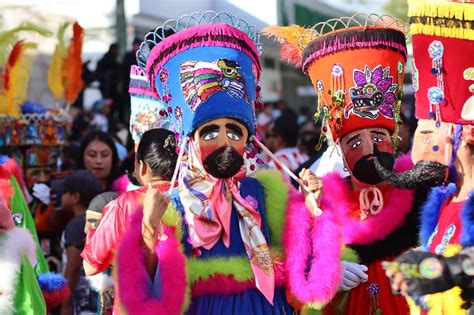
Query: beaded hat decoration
35, 136
356, 65
443, 51
204, 66
147, 111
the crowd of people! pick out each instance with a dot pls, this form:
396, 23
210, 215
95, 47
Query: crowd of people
207, 201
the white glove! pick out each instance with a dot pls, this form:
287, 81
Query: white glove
42, 192
352, 275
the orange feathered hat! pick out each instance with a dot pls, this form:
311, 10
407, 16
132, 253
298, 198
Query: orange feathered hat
357, 71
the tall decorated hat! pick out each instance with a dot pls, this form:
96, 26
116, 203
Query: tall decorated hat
356, 66
204, 66
147, 110
443, 51
30, 132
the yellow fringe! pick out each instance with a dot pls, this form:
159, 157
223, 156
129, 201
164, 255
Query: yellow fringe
442, 31
448, 302
441, 9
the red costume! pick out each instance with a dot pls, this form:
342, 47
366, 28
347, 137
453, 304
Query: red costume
357, 73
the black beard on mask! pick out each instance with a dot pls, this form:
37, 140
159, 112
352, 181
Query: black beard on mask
364, 169
423, 174
225, 162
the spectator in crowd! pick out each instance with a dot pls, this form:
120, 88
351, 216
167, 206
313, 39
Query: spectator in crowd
79, 127
129, 59
277, 110
107, 73
264, 118
101, 114
309, 137
95, 208
304, 116
102, 283
98, 154
78, 190
282, 140
155, 161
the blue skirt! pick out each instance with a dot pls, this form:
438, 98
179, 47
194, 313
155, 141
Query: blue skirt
247, 303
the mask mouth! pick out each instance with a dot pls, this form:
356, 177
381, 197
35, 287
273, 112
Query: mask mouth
364, 169
423, 174
225, 162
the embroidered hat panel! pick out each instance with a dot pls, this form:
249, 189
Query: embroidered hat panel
205, 71
357, 73
443, 51
147, 111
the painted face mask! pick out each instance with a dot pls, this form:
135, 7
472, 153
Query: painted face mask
358, 150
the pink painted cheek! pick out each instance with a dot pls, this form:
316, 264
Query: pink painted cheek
207, 149
240, 149
352, 157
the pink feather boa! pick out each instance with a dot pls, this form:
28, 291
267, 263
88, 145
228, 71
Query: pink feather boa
397, 205
133, 279
328, 233
320, 284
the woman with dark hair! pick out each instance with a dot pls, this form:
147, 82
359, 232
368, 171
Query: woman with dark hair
154, 164
98, 154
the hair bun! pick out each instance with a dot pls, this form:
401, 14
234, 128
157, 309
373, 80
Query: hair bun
170, 144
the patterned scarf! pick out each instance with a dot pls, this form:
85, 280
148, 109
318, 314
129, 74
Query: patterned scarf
208, 203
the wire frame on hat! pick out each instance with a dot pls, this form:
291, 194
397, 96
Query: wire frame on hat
358, 19
189, 20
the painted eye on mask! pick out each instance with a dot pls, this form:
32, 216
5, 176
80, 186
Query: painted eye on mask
233, 136
355, 143
211, 136
377, 138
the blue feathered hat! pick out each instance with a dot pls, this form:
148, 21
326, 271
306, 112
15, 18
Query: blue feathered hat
204, 66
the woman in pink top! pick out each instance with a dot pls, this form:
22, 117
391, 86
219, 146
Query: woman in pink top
155, 161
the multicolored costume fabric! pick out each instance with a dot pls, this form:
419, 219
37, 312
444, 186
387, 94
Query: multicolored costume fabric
230, 230
357, 72
20, 292
444, 93
13, 196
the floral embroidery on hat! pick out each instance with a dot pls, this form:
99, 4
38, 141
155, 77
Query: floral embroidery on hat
199, 80
374, 93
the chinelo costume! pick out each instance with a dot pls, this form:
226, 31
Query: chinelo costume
443, 50
19, 289
30, 135
356, 66
224, 251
